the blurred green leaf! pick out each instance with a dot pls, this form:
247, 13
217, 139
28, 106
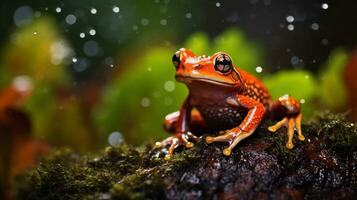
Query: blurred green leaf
246, 54
199, 43
332, 92
299, 84
136, 102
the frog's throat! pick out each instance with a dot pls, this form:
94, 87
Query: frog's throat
189, 79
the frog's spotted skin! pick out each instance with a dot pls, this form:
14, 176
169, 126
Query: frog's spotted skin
226, 99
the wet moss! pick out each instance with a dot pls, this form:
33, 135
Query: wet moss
323, 165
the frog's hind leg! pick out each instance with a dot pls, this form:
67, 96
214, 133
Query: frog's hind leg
196, 123
289, 109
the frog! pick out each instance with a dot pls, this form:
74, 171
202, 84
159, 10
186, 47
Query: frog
224, 99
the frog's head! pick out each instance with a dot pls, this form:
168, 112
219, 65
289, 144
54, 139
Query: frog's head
217, 69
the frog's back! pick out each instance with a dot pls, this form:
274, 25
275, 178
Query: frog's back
255, 88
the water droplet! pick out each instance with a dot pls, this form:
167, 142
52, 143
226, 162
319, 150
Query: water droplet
90, 48
74, 59
315, 26
23, 15
115, 139
22, 83
163, 22
169, 86
259, 69
290, 19
291, 27
80, 65
168, 101
82, 35
58, 10
324, 6
92, 32
294, 60
71, 19
93, 11
307, 76
109, 60
116, 9
37, 14
145, 102
35, 33
218, 4
188, 15
145, 21
302, 101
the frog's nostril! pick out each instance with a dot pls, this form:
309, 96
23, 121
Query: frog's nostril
197, 66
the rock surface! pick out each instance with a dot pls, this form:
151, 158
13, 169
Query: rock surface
324, 166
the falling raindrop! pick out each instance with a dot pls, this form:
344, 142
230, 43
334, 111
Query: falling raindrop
324, 6
80, 65
90, 48
74, 59
23, 15
115, 139
92, 32
324, 41
259, 69
82, 35
58, 10
294, 60
163, 22
116, 9
93, 11
145, 102
145, 21
302, 101
290, 19
169, 86
218, 4
22, 83
188, 15
291, 27
315, 26
71, 19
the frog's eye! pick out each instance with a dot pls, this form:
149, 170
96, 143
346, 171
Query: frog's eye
176, 59
223, 63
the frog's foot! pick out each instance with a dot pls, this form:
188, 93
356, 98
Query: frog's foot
233, 137
291, 123
181, 139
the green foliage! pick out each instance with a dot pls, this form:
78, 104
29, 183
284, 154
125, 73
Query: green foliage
136, 102
38, 52
332, 93
298, 83
245, 54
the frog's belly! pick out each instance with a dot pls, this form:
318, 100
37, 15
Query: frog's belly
222, 117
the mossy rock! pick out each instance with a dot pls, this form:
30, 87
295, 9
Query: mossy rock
323, 166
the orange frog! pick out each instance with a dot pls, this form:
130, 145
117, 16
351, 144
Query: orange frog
226, 99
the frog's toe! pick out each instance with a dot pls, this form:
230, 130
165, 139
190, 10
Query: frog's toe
176, 141
292, 124
233, 137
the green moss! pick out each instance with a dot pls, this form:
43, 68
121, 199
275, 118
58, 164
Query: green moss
125, 172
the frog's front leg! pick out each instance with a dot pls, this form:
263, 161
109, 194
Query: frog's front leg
179, 123
246, 128
288, 110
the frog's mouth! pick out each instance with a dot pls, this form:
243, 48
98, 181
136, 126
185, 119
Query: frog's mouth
190, 79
